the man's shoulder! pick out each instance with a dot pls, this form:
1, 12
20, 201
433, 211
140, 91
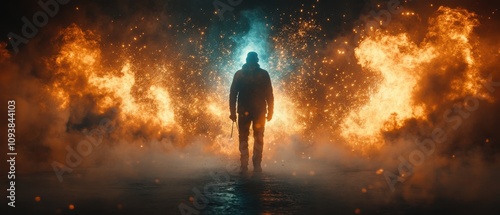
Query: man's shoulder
238, 73
260, 70
263, 71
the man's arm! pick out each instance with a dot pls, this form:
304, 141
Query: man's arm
233, 94
269, 97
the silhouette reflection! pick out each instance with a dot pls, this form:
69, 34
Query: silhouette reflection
253, 193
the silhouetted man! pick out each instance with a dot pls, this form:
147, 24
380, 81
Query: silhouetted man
253, 91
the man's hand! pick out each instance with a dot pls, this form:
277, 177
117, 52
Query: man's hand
233, 117
269, 116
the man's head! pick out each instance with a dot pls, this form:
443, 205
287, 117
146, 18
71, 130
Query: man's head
252, 57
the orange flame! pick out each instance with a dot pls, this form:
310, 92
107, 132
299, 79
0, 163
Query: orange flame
401, 64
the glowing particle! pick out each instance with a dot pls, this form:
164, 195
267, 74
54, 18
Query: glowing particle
71, 207
37, 199
380, 171
363, 190
357, 211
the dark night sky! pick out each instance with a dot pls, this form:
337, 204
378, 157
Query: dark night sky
197, 10
202, 12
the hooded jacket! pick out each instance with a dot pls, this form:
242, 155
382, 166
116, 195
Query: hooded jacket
252, 90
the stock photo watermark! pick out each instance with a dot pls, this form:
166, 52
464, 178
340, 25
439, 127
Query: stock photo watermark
454, 118
40, 19
222, 7
11, 152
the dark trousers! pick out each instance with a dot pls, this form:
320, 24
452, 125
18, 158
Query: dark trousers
258, 122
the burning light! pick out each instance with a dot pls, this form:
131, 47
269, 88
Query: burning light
396, 59
177, 97
401, 65
380, 171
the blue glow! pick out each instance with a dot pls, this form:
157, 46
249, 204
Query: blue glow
257, 40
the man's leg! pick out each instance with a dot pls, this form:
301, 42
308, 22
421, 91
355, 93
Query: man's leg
259, 123
244, 131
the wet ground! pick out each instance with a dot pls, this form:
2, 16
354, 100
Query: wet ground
217, 191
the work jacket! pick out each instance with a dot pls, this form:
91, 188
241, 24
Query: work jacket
252, 91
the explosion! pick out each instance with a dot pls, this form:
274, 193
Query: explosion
149, 103
174, 92
402, 69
